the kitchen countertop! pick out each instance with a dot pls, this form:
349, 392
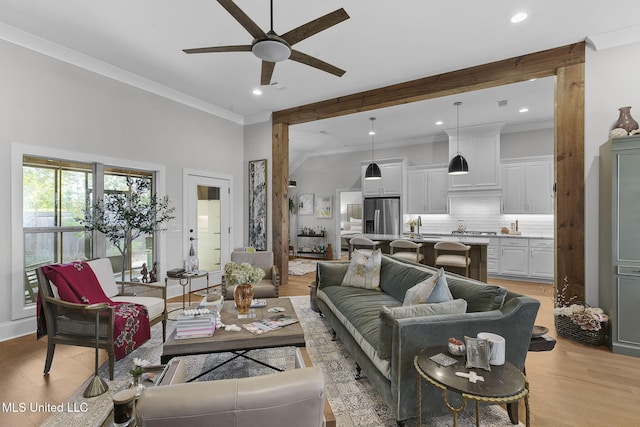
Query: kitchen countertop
429, 238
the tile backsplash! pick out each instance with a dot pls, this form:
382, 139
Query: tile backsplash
482, 213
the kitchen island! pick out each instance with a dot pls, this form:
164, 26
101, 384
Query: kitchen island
478, 252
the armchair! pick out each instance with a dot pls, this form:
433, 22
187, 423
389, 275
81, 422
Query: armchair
71, 324
269, 286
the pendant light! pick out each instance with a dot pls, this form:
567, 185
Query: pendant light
373, 170
458, 165
292, 184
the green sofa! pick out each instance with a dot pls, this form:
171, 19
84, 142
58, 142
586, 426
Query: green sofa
357, 316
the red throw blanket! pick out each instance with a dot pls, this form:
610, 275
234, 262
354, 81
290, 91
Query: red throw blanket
77, 283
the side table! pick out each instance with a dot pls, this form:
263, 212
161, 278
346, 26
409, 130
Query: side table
185, 280
503, 384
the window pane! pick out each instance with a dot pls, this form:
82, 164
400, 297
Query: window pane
74, 196
208, 214
39, 197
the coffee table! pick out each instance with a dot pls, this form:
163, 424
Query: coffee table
503, 384
241, 342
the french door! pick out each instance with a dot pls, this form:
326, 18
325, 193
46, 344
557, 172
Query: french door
207, 228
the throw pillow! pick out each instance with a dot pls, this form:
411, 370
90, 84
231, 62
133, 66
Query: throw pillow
433, 289
479, 296
363, 271
388, 315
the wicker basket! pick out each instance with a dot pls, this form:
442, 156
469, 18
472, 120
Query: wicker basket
567, 329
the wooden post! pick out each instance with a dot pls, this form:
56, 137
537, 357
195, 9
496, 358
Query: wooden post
280, 198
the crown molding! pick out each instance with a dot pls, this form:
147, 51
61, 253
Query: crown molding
614, 38
70, 56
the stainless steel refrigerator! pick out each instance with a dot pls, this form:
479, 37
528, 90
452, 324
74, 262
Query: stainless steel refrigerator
382, 215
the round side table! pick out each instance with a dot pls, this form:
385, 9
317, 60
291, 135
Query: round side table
503, 384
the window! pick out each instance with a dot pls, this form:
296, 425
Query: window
56, 194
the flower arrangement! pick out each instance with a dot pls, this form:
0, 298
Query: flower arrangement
138, 366
412, 222
587, 318
244, 273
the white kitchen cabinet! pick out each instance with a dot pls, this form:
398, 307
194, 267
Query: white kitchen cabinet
541, 258
493, 256
437, 187
427, 190
514, 256
416, 191
480, 146
521, 257
527, 187
389, 185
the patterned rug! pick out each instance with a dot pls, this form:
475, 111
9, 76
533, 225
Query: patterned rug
355, 403
300, 267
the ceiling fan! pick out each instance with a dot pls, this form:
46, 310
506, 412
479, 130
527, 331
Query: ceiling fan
272, 48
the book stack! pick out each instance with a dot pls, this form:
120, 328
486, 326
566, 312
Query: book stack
195, 326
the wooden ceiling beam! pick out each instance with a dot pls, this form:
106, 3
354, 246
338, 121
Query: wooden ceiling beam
512, 70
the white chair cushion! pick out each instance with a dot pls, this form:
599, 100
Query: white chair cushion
409, 256
155, 305
453, 261
104, 273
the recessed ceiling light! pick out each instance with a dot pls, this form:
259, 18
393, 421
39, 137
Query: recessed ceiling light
533, 79
371, 132
518, 17
439, 122
523, 110
257, 91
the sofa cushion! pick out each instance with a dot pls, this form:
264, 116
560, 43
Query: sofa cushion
432, 290
388, 315
155, 305
364, 272
104, 273
479, 297
396, 278
330, 273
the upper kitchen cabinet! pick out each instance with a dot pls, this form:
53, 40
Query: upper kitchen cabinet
480, 146
527, 186
391, 182
427, 190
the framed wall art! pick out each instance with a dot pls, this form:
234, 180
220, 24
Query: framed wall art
323, 207
258, 204
305, 204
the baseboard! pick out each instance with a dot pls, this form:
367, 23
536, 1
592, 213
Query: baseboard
17, 328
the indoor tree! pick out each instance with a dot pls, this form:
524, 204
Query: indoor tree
124, 216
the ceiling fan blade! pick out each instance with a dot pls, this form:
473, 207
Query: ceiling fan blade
267, 72
303, 58
239, 48
313, 27
243, 19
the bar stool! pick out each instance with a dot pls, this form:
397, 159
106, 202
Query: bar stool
452, 260
408, 250
365, 246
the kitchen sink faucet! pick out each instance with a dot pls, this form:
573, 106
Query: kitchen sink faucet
419, 224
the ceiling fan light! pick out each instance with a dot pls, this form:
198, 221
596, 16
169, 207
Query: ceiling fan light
271, 50
373, 171
458, 165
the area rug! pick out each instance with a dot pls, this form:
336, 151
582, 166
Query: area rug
300, 267
355, 403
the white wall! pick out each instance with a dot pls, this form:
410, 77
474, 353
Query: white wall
611, 82
50, 103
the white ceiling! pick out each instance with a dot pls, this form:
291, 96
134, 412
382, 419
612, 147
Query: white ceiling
384, 42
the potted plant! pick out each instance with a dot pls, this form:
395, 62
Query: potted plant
123, 217
243, 276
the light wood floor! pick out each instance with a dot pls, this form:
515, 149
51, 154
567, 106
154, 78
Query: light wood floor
573, 385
